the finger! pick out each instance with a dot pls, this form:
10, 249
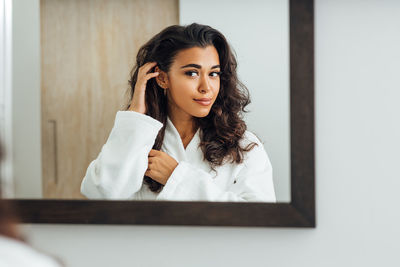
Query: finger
151, 75
150, 63
153, 153
148, 173
148, 66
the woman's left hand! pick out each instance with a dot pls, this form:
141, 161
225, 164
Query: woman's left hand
160, 167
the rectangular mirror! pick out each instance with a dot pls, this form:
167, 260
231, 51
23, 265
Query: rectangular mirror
71, 66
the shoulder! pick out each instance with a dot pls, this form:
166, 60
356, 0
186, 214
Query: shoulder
130, 118
16, 253
258, 152
250, 137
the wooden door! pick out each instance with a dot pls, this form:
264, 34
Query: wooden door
88, 48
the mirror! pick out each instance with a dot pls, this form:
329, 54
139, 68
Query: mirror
71, 65
27, 135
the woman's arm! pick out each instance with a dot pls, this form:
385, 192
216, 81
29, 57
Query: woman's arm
117, 172
253, 183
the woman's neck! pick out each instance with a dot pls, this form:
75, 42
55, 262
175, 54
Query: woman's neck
184, 124
185, 127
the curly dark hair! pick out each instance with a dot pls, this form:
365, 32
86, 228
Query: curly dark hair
223, 127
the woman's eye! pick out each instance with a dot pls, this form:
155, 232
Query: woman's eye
189, 73
193, 73
218, 73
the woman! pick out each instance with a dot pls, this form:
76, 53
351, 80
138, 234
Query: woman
14, 250
181, 136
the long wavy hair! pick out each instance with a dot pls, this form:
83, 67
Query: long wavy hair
223, 127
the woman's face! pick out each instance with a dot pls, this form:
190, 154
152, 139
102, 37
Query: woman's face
193, 75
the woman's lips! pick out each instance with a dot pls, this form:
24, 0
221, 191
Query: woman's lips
203, 102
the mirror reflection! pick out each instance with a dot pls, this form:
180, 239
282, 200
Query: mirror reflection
133, 107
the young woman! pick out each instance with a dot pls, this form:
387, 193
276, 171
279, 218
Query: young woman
182, 136
14, 250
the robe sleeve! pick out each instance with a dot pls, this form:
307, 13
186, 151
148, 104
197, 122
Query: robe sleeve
118, 171
253, 183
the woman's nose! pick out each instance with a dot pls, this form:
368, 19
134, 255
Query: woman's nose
205, 85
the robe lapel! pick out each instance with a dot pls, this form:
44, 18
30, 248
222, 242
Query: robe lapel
174, 147
173, 144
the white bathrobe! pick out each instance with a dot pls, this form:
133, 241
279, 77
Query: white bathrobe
15, 253
117, 172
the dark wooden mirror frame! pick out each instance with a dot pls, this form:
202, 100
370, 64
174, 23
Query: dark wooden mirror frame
300, 212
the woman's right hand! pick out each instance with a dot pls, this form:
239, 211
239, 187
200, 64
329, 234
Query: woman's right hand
138, 103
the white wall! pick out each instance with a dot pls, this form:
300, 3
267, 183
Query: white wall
6, 166
258, 31
358, 181
26, 109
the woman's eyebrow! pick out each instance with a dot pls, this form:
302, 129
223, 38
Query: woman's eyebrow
198, 66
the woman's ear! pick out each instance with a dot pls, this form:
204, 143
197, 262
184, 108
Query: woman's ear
162, 78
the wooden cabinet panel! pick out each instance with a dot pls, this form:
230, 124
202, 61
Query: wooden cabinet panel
88, 48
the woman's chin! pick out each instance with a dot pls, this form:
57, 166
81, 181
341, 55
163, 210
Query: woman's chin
201, 113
